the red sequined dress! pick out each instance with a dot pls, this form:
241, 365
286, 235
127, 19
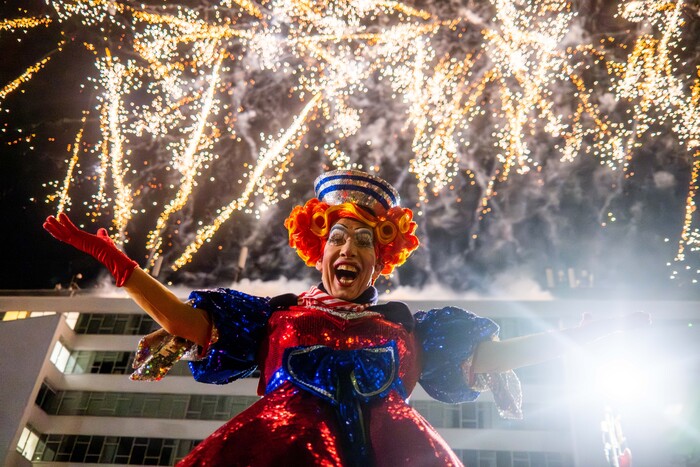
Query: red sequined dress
334, 383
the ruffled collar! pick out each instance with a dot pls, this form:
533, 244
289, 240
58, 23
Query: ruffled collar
396, 312
369, 297
316, 297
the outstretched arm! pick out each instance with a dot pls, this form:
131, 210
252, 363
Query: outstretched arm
161, 304
176, 317
500, 356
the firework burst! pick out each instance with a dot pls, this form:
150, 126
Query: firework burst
178, 89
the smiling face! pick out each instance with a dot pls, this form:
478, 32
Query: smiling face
349, 263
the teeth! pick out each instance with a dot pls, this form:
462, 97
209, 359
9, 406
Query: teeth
346, 273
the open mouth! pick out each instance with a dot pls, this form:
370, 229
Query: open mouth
346, 273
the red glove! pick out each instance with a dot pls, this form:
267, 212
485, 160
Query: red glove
99, 246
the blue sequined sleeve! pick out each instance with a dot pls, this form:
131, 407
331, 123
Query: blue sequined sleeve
449, 337
240, 321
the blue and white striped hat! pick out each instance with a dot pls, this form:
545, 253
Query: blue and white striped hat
357, 187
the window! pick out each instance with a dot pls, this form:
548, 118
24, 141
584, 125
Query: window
438, 414
484, 415
467, 415
45, 395
28, 441
142, 405
478, 458
101, 362
110, 323
514, 459
109, 449
71, 318
544, 417
60, 356
14, 315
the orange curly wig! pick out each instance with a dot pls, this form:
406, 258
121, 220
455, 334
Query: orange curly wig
308, 228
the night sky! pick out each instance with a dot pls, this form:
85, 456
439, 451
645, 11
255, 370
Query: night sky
557, 217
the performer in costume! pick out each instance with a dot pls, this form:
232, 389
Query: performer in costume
336, 367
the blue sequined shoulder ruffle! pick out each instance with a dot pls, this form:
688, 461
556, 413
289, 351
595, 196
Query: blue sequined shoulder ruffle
449, 336
240, 320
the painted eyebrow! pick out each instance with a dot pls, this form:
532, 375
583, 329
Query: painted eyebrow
347, 229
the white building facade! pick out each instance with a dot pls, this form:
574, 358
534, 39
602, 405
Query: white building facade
66, 397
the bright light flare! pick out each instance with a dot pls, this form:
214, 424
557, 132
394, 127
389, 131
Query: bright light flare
622, 380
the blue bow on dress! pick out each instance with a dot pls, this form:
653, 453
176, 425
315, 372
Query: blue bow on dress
346, 379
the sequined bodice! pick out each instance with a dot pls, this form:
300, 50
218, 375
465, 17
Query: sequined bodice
301, 326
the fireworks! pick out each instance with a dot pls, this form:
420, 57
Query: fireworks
182, 78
